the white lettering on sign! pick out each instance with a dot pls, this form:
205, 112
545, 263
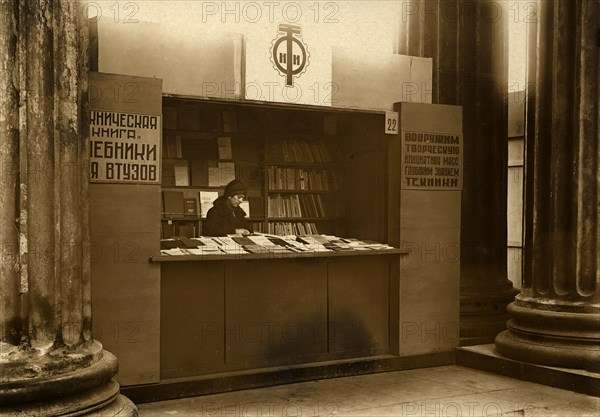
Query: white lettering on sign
124, 147
431, 161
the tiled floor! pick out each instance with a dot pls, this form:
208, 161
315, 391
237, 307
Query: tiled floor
430, 392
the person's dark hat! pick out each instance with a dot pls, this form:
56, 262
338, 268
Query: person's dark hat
235, 187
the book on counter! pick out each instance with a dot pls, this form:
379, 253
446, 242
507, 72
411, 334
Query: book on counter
207, 241
224, 241
243, 240
260, 240
264, 244
257, 249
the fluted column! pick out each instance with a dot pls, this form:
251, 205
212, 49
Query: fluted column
49, 363
10, 315
556, 319
467, 40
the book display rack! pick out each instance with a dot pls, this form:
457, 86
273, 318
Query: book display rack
289, 159
318, 260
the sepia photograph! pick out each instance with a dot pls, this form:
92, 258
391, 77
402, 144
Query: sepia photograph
310, 208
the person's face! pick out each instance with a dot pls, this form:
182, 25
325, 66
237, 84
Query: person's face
235, 200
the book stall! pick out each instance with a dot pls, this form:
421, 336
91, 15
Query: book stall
338, 211
316, 202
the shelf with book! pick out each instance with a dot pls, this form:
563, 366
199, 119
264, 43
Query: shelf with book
299, 165
302, 172
206, 145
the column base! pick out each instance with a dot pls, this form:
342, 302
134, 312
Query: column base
553, 338
120, 407
483, 313
52, 385
104, 401
486, 358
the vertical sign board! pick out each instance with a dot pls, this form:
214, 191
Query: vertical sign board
125, 161
429, 155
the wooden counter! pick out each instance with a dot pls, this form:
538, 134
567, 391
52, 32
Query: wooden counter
243, 256
250, 311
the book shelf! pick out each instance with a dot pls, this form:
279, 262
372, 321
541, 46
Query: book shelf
205, 146
302, 173
287, 159
297, 164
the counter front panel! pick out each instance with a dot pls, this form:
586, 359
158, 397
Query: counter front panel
220, 316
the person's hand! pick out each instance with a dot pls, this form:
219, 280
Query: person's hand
242, 231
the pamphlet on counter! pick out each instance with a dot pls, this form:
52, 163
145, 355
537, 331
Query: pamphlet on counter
264, 243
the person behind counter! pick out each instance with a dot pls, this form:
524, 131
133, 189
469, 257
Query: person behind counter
226, 216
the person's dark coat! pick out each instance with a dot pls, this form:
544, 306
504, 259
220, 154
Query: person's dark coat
222, 219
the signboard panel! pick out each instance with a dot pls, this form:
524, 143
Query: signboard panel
431, 161
125, 137
375, 79
288, 64
391, 123
125, 205
190, 59
125, 147
426, 163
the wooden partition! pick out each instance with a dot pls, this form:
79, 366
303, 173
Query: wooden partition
124, 225
424, 208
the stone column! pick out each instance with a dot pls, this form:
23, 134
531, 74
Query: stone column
49, 363
556, 319
467, 40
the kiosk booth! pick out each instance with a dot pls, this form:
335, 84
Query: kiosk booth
383, 184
